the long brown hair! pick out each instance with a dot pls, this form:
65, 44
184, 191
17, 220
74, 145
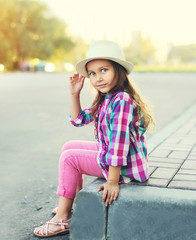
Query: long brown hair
124, 84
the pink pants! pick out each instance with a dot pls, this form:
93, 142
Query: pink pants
77, 158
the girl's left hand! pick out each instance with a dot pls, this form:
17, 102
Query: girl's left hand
110, 193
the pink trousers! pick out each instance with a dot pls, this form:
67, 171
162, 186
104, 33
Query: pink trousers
77, 158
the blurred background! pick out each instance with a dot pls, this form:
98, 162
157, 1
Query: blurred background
40, 42
52, 35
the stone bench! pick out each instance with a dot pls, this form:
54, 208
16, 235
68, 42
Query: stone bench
163, 208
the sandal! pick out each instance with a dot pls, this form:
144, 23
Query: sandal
46, 232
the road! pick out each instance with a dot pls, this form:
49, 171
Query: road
34, 125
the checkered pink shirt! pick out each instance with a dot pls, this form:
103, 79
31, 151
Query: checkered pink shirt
121, 135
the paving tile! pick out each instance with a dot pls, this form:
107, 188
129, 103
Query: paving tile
185, 177
164, 173
192, 156
158, 182
152, 169
190, 140
176, 148
182, 185
164, 165
194, 150
183, 131
160, 153
189, 164
165, 160
173, 140
179, 154
187, 171
166, 144
154, 182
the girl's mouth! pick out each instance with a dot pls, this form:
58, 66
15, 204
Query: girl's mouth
101, 85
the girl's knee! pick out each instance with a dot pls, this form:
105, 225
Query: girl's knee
70, 145
65, 156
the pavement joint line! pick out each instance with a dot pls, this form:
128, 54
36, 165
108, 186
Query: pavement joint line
153, 171
171, 128
180, 167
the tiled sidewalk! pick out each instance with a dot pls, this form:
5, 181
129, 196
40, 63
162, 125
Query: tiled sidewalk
173, 162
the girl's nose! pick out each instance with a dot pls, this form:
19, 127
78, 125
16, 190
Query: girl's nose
99, 77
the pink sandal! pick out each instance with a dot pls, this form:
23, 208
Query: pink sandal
45, 232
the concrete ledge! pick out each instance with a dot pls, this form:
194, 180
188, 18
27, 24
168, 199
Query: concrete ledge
140, 212
152, 213
89, 217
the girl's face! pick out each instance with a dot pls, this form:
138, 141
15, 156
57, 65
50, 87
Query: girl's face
102, 75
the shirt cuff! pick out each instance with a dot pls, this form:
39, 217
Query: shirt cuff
78, 121
116, 161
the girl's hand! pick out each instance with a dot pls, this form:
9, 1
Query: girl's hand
110, 193
76, 83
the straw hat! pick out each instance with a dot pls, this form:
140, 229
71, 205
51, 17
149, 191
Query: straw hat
103, 49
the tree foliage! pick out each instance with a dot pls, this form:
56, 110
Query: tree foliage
140, 50
183, 54
28, 30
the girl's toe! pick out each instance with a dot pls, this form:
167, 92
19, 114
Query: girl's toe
37, 230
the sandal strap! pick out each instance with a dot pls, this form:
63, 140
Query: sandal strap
64, 224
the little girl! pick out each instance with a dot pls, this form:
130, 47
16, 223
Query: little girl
121, 118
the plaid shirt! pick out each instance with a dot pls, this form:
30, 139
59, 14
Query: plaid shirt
121, 136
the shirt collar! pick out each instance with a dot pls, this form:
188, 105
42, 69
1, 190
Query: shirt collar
109, 95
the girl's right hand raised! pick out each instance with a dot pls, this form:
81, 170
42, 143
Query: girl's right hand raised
76, 83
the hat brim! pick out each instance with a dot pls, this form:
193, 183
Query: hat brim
81, 66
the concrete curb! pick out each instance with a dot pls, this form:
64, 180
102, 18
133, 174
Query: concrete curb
152, 213
90, 215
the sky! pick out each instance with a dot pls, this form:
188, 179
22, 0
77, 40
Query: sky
171, 21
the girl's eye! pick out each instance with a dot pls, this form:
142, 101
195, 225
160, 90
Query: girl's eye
104, 70
91, 74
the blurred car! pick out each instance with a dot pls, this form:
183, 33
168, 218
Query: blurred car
25, 66
43, 66
40, 66
68, 67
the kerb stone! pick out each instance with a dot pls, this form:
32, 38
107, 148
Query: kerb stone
89, 217
151, 213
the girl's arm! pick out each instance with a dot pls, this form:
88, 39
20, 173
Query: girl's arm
75, 106
111, 187
76, 84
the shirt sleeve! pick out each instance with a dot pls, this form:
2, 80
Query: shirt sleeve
121, 119
83, 118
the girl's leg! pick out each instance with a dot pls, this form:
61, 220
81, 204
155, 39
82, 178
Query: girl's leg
72, 164
86, 145
75, 144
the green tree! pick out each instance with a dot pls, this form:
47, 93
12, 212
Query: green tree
140, 50
28, 30
183, 54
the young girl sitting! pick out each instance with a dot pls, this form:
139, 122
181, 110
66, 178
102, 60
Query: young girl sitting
121, 118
